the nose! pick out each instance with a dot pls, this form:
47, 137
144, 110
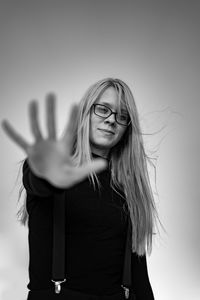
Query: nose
110, 119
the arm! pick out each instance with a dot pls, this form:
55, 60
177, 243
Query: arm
140, 279
35, 185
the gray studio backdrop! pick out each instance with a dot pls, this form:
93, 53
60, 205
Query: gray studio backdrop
64, 46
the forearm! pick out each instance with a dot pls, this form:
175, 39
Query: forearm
35, 185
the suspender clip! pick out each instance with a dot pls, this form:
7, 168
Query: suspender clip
58, 285
126, 292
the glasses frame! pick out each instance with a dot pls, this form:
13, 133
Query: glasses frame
111, 113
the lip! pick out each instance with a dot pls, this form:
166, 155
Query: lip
106, 130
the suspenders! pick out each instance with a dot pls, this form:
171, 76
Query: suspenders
126, 277
58, 263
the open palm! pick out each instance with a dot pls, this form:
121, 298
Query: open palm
50, 158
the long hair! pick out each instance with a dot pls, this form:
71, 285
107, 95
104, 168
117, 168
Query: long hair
128, 162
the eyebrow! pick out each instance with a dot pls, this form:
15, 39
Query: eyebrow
108, 104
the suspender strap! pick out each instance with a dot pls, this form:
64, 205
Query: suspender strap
126, 277
58, 264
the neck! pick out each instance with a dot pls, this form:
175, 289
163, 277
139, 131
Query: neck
100, 152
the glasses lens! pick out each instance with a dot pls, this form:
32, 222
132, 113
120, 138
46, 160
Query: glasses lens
123, 119
101, 110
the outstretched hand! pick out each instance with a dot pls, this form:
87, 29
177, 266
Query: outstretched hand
50, 158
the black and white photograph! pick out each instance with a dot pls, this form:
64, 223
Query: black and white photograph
100, 184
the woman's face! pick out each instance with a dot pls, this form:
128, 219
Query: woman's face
106, 133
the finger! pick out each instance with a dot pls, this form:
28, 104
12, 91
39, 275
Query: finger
16, 137
33, 113
50, 111
95, 166
69, 133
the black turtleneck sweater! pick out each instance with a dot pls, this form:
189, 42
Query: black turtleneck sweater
96, 226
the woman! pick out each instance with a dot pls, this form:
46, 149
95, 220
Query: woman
101, 165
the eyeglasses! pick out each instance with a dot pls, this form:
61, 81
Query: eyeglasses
105, 112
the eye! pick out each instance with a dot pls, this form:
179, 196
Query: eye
102, 109
123, 117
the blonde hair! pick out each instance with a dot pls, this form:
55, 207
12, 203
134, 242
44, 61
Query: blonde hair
128, 163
